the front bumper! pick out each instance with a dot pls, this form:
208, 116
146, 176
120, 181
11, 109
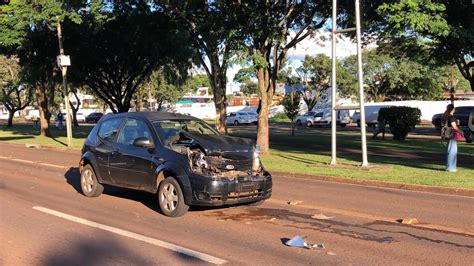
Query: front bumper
207, 191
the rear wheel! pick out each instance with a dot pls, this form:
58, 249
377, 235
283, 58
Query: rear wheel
89, 184
171, 199
309, 124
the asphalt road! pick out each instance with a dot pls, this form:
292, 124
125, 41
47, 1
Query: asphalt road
45, 220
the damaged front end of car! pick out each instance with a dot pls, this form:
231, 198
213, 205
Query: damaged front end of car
224, 170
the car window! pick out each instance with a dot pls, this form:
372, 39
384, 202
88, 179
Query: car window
231, 114
109, 128
133, 129
318, 115
169, 129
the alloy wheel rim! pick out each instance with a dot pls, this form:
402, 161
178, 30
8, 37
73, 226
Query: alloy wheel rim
87, 180
169, 197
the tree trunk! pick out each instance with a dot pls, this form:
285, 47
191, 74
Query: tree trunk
471, 82
45, 114
220, 102
266, 94
74, 116
10, 117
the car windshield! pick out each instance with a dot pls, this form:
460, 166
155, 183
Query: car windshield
169, 129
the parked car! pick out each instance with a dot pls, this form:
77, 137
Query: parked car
179, 157
461, 114
80, 117
94, 117
308, 118
237, 118
253, 117
323, 117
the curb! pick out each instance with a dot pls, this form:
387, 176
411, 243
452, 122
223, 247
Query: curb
383, 184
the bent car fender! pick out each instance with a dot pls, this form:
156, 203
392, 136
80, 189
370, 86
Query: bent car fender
176, 171
89, 156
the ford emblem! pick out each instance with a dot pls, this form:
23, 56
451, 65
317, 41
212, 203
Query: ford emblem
229, 167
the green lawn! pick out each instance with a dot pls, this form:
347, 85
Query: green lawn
414, 161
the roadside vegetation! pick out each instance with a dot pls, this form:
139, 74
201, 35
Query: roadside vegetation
417, 160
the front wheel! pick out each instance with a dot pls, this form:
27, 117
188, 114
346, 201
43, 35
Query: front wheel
89, 184
236, 122
298, 123
309, 124
171, 199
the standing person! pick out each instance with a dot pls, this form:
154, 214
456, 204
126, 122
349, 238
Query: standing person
59, 120
380, 127
452, 151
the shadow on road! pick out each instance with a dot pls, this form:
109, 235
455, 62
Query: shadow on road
73, 178
105, 250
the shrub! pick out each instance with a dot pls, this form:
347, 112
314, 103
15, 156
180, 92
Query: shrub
401, 119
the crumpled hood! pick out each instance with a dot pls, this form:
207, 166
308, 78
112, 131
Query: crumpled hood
220, 144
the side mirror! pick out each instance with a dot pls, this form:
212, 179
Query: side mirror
143, 142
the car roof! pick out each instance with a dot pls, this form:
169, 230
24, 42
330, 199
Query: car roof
155, 116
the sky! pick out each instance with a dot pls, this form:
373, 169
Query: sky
319, 44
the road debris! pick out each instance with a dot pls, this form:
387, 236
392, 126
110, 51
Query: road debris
321, 217
28, 145
330, 253
408, 221
273, 219
294, 202
298, 241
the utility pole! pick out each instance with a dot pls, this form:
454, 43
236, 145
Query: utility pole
63, 63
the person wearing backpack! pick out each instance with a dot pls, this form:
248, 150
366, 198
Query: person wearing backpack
450, 124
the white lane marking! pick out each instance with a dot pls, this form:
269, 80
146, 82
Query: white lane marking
156, 242
33, 162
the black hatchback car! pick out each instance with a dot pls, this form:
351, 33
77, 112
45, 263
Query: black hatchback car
179, 157
93, 117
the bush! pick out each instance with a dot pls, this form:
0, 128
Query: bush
401, 119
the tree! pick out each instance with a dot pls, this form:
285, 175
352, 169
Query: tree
245, 77
15, 97
291, 102
165, 87
447, 27
117, 54
400, 78
316, 71
211, 25
196, 81
271, 28
28, 30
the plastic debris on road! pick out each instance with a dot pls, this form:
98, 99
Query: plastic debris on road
298, 241
321, 217
294, 202
408, 221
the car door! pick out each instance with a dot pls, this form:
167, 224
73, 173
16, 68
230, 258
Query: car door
107, 133
131, 165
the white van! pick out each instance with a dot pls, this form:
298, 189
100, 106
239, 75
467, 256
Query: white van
371, 114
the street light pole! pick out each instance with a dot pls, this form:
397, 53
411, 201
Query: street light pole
63, 65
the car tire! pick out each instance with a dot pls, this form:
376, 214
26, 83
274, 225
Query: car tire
343, 125
171, 199
358, 123
298, 123
90, 186
309, 124
236, 122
